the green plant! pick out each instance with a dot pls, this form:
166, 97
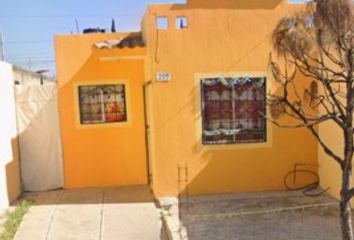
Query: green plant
14, 220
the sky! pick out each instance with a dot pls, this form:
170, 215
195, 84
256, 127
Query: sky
28, 26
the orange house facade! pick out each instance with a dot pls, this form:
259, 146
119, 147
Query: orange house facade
179, 105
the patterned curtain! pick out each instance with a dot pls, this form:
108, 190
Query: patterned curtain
233, 110
102, 104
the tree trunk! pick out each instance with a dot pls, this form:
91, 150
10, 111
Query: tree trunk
346, 220
345, 206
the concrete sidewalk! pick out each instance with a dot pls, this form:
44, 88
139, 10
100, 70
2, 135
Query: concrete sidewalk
124, 213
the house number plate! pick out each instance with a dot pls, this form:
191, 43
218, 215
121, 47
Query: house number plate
163, 76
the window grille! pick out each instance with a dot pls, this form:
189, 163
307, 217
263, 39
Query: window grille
102, 104
233, 110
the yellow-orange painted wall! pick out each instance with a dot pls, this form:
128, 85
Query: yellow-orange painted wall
329, 170
13, 173
332, 135
106, 154
223, 38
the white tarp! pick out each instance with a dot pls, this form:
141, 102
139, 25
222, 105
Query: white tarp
39, 137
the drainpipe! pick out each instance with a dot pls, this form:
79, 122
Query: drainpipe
147, 136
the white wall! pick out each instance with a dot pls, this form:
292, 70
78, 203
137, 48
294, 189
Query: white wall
25, 77
8, 133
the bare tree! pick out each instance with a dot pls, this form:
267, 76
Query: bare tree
316, 44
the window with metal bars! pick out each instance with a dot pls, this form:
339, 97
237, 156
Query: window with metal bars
102, 104
233, 110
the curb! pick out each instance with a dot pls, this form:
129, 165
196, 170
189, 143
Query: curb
173, 226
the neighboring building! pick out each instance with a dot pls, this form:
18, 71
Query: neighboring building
10, 173
188, 91
25, 77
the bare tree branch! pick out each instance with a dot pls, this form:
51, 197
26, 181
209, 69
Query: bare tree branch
322, 52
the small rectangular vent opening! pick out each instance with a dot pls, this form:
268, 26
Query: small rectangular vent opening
181, 22
162, 23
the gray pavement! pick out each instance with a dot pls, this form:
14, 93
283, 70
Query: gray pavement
122, 213
279, 215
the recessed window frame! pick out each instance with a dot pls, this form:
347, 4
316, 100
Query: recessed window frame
181, 22
162, 22
235, 142
102, 106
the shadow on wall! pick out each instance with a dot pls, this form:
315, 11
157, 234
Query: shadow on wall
224, 4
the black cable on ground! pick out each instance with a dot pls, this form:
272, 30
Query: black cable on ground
307, 189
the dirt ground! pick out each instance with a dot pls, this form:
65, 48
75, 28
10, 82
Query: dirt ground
257, 216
